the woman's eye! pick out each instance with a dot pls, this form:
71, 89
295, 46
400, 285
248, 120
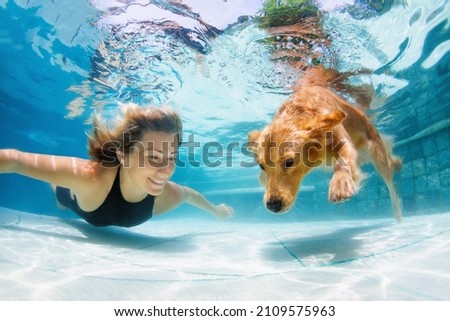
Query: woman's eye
289, 163
154, 159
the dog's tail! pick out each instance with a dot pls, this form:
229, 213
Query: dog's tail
338, 81
397, 163
319, 76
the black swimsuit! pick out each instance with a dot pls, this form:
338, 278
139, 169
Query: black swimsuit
115, 210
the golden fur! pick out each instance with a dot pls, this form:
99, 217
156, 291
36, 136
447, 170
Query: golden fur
317, 127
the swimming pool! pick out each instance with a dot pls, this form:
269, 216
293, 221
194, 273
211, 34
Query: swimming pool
60, 61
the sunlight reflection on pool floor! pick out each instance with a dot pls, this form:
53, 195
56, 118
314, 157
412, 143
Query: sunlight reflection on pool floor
47, 258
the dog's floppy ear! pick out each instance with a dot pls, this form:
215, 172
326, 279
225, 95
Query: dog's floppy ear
323, 123
253, 136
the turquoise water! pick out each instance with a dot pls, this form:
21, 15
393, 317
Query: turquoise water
62, 60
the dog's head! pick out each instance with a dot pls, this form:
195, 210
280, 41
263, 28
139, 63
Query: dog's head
286, 150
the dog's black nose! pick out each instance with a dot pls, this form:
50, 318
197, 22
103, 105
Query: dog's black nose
274, 205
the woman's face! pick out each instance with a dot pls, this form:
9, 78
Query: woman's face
151, 161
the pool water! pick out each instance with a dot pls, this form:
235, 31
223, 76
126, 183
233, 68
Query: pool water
46, 258
61, 61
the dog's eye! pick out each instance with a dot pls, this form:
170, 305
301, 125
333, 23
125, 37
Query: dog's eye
289, 163
261, 166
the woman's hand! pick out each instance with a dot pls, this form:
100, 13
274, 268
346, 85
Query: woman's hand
179, 194
223, 211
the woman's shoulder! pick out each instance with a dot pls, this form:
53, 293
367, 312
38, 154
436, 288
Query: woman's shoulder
96, 182
172, 191
103, 174
170, 198
93, 173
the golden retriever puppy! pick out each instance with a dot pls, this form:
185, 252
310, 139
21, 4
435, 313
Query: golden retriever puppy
316, 127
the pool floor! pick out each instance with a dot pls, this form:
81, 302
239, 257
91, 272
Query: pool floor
47, 258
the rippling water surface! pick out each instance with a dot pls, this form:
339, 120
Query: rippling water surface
62, 60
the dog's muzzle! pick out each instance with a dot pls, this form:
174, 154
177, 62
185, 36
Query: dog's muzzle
275, 205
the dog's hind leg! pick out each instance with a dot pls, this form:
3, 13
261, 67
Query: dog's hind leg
387, 165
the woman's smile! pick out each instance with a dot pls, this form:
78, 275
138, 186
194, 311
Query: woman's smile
157, 182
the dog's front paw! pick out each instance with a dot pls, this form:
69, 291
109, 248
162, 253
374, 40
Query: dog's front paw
342, 187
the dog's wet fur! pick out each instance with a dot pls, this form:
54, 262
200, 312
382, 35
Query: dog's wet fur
317, 127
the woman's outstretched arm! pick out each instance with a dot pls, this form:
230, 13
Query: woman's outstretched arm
64, 171
175, 195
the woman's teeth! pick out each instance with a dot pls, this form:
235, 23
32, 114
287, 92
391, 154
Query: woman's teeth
158, 182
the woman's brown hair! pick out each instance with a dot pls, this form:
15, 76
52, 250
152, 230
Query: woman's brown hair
104, 144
